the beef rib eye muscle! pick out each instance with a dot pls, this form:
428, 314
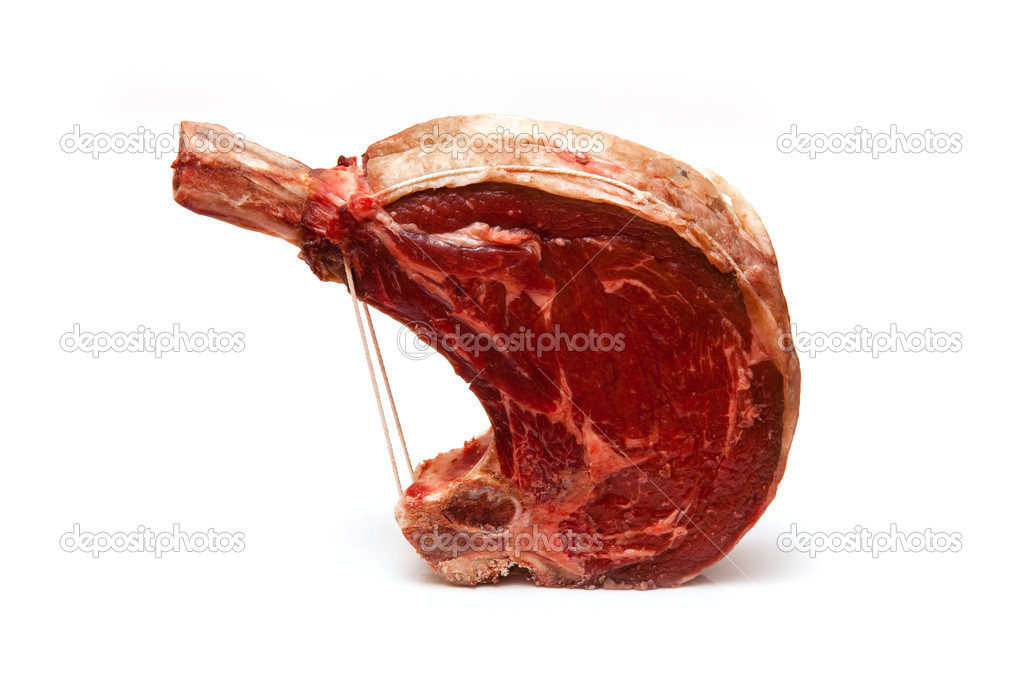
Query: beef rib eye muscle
630, 466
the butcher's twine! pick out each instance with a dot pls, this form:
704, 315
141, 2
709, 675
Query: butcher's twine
387, 388
640, 195
373, 380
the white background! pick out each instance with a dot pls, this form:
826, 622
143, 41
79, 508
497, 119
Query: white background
282, 442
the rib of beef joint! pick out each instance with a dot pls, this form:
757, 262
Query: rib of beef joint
652, 433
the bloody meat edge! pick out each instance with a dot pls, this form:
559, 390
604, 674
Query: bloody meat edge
652, 431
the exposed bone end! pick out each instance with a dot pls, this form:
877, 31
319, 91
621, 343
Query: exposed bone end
474, 570
472, 526
224, 176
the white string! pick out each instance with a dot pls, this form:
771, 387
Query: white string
640, 195
373, 378
387, 389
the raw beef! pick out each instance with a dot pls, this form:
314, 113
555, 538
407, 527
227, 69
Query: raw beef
635, 460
